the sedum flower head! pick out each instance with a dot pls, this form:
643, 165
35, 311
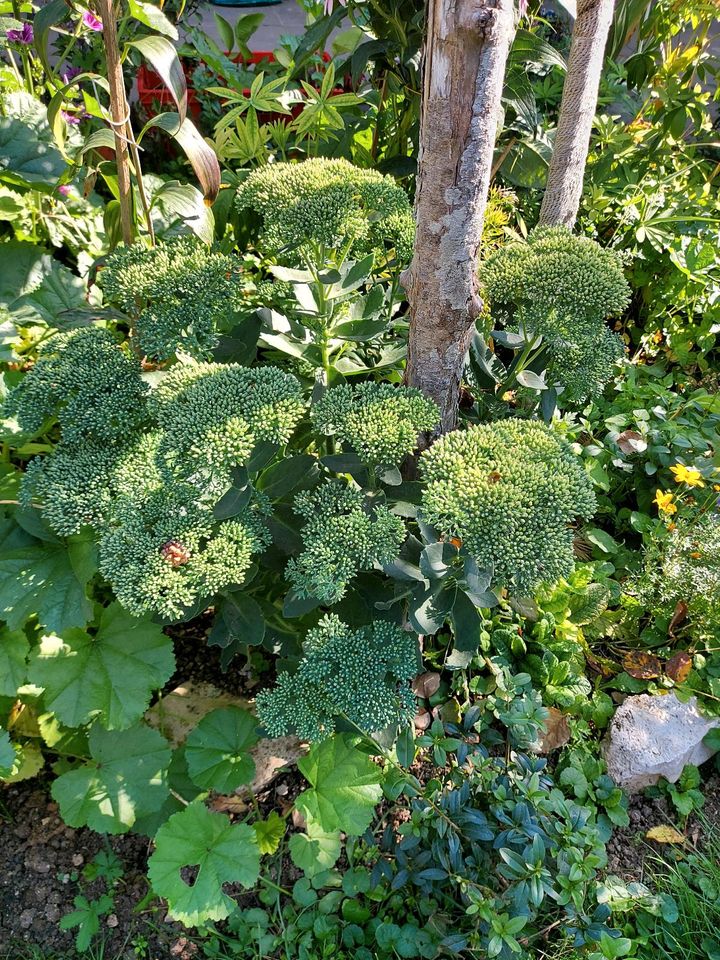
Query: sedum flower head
361, 675
563, 288
161, 548
212, 415
509, 491
341, 537
380, 422
85, 380
328, 204
178, 291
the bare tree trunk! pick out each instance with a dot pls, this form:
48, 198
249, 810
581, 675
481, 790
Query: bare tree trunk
466, 52
579, 101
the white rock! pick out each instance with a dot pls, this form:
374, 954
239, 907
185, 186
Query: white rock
654, 737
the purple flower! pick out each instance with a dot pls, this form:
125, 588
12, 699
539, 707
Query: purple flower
70, 118
69, 74
21, 36
91, 21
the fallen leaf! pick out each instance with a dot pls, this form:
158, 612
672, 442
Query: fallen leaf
663, 834
678, 667
642, 666
556, 733
426, 684
681, 609
630, 441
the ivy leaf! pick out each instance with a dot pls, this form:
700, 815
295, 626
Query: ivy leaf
345, 786
110, 675
125, 778
218, 750
314, 851
47, 579
14, 649
7, 754
269, 833
220, 851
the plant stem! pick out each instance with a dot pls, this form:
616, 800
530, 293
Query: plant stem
119, 111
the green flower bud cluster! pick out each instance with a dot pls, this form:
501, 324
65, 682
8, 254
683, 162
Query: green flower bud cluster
380, 422
178, 291
87, 382
563, 288
342, 536
212, 415
328, 204
164, 552
361, 675
509, 491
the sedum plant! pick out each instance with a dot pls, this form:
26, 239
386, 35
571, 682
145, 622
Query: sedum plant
509, 492
310, 209
176, 293
562, 288
359, 675
378, 421
342, 535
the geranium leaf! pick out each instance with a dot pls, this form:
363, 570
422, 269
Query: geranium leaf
13, 653
345, 786
269, 833
124, 779
218, 750
220, 851
7, 754
110, 675
314, 851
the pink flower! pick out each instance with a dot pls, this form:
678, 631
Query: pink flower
91, 21
64, 190
329, 6
24, 36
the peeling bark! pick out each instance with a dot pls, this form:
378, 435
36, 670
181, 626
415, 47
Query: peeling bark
579, 101
466, 53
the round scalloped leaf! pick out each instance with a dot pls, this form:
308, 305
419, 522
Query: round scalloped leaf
314, 851
345, 786
125, 778
110, 675
7, 754
13, 654
219, 851
218, 750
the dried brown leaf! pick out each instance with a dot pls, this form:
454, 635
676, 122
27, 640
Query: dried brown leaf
642, 666
678, 667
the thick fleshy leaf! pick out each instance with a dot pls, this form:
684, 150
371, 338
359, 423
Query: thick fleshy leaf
218, 750
345, 786
110, 675
125, 778
220, 852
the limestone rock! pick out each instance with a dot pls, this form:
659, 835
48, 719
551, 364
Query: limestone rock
654, 737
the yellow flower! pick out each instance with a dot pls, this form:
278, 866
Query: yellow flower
664, 502
688, 475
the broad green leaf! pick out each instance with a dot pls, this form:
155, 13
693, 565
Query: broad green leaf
7, 754
269, 833
220, 851
14, 649
314, 851
27, 160
109, 675
47, 579
345, 786
152, 17
125, 778
164, 59
29, 761
59, 291
24, 266
218, 750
